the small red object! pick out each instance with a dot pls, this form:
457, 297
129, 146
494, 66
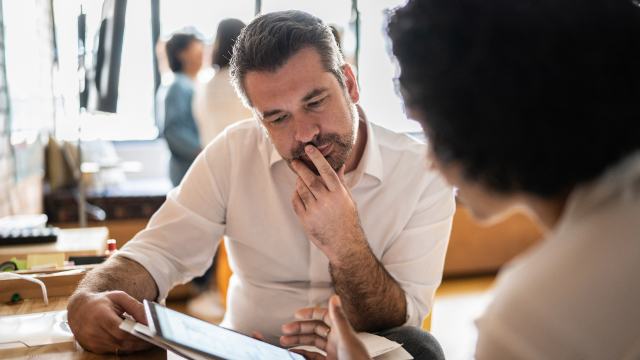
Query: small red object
111, 246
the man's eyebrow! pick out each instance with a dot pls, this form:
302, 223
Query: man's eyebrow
313, 93
268, 113
310, 95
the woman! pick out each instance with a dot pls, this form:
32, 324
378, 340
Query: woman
534, 105
184, 53
216, 104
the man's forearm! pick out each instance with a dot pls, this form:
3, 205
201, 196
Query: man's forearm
120, 273
372, 299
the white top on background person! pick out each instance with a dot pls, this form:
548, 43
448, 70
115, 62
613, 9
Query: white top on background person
216, 105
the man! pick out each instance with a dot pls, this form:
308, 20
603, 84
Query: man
313, 200
534, 105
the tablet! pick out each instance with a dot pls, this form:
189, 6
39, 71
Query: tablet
210, 340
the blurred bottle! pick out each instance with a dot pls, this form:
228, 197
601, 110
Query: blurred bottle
111, 247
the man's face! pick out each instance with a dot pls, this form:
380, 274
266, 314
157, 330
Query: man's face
301, 103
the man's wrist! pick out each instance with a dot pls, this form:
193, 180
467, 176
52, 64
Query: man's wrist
355, 250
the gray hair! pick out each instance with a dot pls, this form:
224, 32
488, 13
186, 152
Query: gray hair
271, 39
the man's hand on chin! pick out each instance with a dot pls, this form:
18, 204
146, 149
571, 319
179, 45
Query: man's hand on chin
325, 207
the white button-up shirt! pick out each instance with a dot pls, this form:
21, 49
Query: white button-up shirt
240, 187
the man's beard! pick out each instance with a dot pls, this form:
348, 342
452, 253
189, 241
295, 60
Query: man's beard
341, 149
341, 144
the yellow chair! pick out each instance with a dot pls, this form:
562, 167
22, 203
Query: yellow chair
223, 273
426, 323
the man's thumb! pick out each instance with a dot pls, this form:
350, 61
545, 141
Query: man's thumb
130, 305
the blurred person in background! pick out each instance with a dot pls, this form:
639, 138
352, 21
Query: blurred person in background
216, 104
184, 53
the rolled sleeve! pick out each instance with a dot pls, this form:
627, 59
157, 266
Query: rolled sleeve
181, 238
416, 257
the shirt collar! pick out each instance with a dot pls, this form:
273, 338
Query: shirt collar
370, 163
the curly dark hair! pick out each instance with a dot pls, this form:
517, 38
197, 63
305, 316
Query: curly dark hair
527, 96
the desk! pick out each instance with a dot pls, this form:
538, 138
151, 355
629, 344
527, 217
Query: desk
61, 351
72, 242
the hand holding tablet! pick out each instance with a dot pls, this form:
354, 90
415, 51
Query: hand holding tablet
196, 339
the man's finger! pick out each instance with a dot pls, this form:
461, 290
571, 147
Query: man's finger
131, 346
325, 170
305, 194
309, 355
298, 205
306, 327
308, 339
102, 344
130, 305
313, 182
111, 325
315, 313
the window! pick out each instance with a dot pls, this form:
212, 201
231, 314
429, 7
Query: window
135, 117
29, 57
203, 16
378, 70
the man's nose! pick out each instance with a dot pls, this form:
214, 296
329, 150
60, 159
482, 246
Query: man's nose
306, 130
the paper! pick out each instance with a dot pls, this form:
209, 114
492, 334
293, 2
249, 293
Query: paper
378, 347
38, 329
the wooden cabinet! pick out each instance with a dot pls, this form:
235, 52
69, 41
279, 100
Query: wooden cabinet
476, 248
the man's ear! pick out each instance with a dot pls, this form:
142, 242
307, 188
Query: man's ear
351, 83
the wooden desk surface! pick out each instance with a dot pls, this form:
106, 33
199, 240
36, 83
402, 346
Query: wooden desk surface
61, 351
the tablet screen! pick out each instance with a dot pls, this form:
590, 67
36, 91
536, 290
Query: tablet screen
211, 339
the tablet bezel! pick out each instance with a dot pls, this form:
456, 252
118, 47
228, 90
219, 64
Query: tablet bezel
155, 326
152, 316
